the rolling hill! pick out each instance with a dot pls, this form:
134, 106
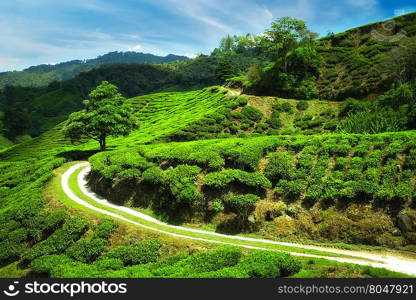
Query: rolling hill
43, 75
37, 235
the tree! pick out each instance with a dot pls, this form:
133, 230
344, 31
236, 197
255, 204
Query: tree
224, 69
285, 35
106, 114
243, 205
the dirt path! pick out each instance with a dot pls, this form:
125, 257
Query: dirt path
233, 93
387, 260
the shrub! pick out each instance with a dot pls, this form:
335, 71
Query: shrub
109, 264
283, 107
261, 127
252, 113
223, 178
105, 229
60, 239
280, 166
341, 148
140, 253
181, 183
275, 122
202, 262
44, 264
86, 250
154, 175
242, 205
217, 206
293, 188
242, 101
374, 159
302, 105
269, 264
340, 163
410, 161
362, 149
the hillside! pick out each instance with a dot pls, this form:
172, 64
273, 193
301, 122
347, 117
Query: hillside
354, 64
4, 143
353, 60
277, 155
32, 111
34, 220
300, 187
43, 75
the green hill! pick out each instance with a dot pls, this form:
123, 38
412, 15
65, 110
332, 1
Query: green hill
32, 111
332, 188
39, 234
352, 59
4, 143
43, 75
338, 173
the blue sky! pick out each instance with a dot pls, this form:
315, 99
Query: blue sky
50, 31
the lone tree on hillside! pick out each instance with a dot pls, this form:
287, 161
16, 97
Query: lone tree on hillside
106, 113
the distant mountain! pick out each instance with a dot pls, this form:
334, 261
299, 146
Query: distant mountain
44, 74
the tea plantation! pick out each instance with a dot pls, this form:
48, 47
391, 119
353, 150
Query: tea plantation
275, 186
345, 188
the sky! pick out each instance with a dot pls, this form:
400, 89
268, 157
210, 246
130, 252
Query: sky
36, 32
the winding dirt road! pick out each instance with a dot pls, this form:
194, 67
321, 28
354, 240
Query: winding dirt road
385, 260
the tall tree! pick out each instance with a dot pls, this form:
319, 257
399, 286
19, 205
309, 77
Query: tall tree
106, 114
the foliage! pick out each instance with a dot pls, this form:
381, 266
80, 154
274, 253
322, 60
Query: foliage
302, 105
140, 253
106, 114
251, 113
243, 205
280, 166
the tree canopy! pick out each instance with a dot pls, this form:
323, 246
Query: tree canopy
106, 114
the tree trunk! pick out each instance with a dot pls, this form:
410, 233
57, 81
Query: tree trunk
102, 143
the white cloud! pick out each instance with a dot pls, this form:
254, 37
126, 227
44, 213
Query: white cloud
130, 36
403, 11
135, 48
363, 3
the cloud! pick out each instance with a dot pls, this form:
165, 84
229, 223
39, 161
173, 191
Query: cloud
135, 48
363, 3
37, 31
403, 11
131, 36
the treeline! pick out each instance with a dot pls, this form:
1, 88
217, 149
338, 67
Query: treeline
289, 61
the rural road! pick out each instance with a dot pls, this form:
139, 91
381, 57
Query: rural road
388, 260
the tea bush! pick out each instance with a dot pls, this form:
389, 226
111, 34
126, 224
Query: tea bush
251, 113
222, 179
280, 166
61, 239
302, 105
140, 253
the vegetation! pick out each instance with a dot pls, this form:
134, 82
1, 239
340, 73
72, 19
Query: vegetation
314, 178
106, 114
43, 75
284, 169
